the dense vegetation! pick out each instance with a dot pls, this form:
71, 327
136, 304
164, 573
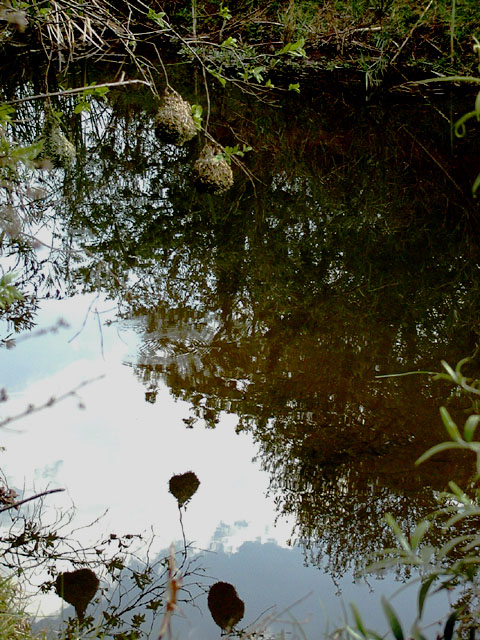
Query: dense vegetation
375, 37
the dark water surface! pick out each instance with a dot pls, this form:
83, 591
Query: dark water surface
252, 324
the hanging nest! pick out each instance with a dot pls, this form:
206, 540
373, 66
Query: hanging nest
225, 606
57, 148
174, 122
183, 486
77, 588
213, 172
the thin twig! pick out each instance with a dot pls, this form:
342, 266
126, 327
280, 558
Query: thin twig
68, 92
38, 495
183, 530
85, 318
439, 165
49, 403
411, 32
60, 324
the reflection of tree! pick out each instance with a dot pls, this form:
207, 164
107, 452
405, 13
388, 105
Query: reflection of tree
339, 446
280, 302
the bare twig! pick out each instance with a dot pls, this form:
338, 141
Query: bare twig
411, 32
60, 324
439, 165
69, 92
38, 495
49, 403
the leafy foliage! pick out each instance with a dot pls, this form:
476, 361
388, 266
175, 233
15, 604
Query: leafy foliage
451, 565
14, 622
8, 291
124, 590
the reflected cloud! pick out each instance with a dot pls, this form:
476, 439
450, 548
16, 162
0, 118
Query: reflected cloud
49, 472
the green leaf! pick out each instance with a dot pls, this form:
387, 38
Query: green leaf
294, 49
197, 110
459, 493
450, 624
294, 87
442, 376
257, 73
450, 545
7, 279
215, 74
6, 113
28, 153
101, 92
392, 523
157, 18
450, 425
358, 620
230, 42
353, 633
81, 106
224, 13
426, 553
476, 185
395, 625
460, 364
473, 545
438, 448
449, 370
422, 594
419, 532
469, 429
8, 292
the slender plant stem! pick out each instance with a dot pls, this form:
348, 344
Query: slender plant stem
452, 31
194, 18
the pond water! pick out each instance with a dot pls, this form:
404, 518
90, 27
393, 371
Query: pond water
241, 336
114, 453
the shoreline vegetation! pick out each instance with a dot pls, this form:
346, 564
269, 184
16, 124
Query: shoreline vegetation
379, 42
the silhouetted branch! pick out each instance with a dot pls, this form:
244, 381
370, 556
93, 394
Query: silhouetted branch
38, 495
69, 92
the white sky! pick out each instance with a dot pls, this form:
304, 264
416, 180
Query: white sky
120, 451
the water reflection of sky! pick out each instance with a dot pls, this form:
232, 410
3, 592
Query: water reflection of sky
118, 452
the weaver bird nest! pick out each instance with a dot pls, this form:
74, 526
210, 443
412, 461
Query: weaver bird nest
174, 122
225, 606
212, 170
58, 148
77, 588
183, 486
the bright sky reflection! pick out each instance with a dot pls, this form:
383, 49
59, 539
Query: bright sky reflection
118, 453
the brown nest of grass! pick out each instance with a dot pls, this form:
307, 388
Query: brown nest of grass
173, 122
183, 486
212, 171
225, 606
77, 588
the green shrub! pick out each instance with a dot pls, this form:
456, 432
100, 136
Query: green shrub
449, 563
14, 622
